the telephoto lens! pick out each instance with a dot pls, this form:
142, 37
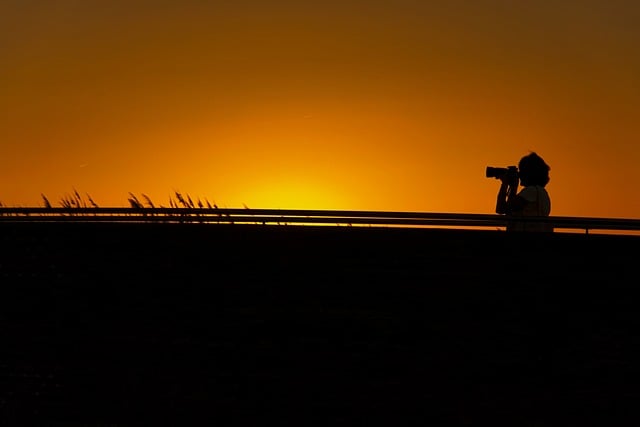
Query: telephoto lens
498, 173
495, 172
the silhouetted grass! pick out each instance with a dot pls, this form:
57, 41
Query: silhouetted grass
148, 200
73, 201
187, 202
46, 201
184, 203
134, 203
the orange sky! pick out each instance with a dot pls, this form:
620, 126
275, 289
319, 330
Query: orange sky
353, 104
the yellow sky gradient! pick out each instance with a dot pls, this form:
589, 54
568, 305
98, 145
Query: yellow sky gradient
353, 104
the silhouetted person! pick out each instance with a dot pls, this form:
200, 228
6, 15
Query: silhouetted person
532, 201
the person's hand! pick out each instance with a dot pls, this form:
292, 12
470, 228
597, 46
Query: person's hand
509, 179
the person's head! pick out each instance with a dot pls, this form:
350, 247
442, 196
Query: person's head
533, 170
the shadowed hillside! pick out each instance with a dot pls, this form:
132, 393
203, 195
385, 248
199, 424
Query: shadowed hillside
167, 323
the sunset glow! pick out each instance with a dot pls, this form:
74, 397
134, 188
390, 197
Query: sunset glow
395, 106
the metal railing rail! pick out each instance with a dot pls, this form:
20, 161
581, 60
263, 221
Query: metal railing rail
303, 216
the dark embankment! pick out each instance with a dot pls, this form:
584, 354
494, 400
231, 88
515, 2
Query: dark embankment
167, 324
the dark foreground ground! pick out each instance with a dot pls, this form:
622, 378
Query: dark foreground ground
119, 324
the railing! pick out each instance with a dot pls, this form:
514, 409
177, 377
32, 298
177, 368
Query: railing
307, 217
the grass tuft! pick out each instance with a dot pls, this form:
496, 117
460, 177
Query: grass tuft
47, 204
134, 203
73, 201
148, 200
93, 204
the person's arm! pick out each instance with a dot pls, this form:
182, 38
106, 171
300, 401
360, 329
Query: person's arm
508, 200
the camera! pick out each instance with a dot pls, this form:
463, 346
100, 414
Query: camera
498, 173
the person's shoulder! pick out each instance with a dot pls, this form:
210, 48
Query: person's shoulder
529, 193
